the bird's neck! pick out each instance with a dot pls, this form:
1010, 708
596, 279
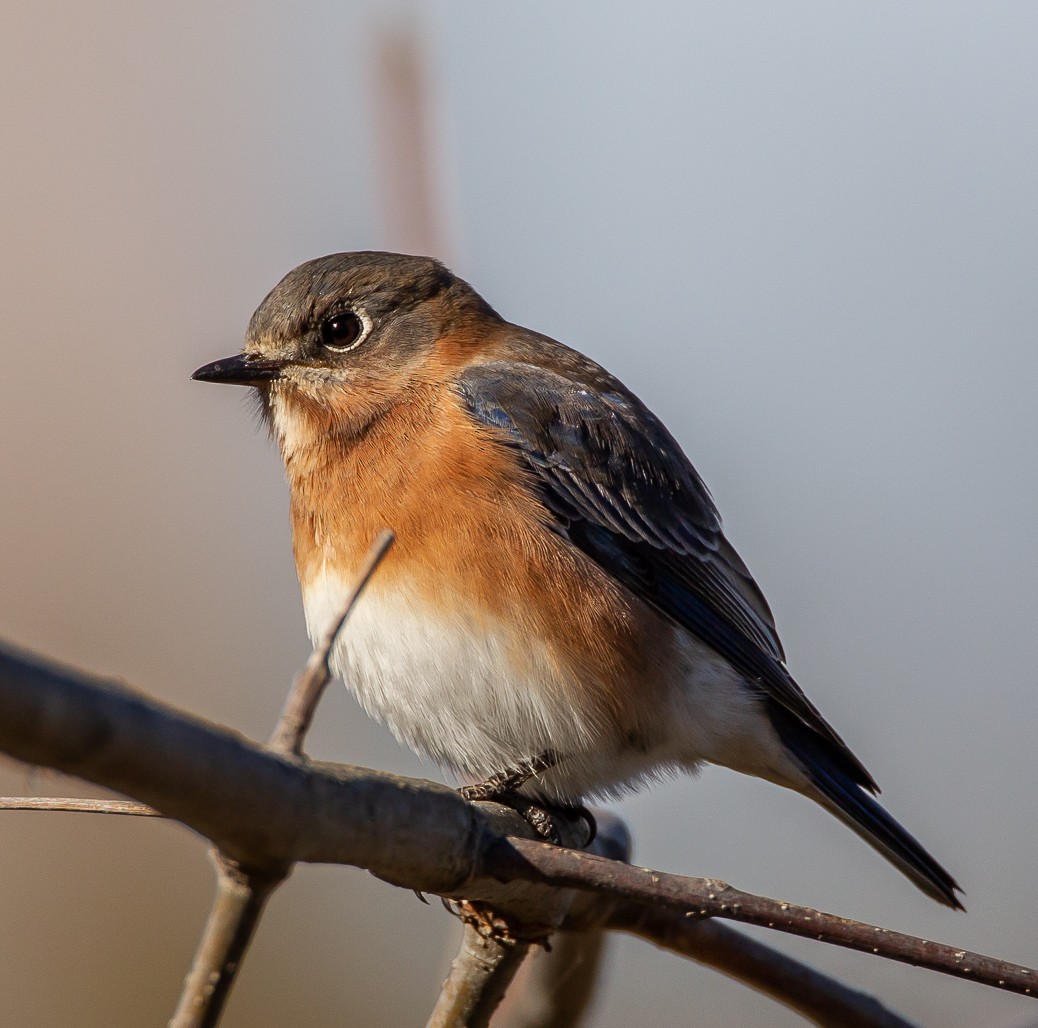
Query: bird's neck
347, 485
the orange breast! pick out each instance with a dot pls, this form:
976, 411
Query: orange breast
470, 532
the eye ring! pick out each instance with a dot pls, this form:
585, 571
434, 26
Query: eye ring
343, 331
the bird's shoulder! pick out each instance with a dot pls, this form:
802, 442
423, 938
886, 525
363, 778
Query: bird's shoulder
606, 461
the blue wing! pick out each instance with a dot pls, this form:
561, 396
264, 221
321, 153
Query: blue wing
617, 486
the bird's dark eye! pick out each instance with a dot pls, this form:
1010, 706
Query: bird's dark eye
341, 331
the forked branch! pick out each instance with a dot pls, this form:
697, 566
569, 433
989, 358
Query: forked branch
264, 808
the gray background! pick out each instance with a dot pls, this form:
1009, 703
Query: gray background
804, 233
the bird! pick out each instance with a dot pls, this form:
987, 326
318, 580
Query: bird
562, 617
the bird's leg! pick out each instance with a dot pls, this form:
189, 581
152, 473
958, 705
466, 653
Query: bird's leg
510, 779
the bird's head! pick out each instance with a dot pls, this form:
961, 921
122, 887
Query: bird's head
342, 338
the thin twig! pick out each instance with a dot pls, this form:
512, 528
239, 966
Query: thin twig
481, 972
310, 683
240, 899
815, 996
555, 986
78, 806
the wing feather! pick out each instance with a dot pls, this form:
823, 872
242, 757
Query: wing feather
618, 486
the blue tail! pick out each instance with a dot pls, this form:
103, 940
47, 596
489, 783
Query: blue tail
840, 790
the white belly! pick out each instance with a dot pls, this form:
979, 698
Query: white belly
478, 697
469, 694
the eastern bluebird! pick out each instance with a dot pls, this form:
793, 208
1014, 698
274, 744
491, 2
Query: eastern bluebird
562, 614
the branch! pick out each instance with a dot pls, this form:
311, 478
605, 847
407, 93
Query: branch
555, 986
266, 811
481, 972
557, 983
815, 996
707, 897
497, 938
295, 720
78, 806
229, 929
310, 683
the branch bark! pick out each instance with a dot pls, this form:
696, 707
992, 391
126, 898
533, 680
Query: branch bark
479, 976
232, 922
556, 986
78, 806
816, 997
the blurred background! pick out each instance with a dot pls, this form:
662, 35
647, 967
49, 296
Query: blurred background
806, 234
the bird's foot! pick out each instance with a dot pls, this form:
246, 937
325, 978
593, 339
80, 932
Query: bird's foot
544, 819
539, 818
510, 779
503, 787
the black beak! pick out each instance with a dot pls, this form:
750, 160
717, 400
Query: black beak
239, 370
